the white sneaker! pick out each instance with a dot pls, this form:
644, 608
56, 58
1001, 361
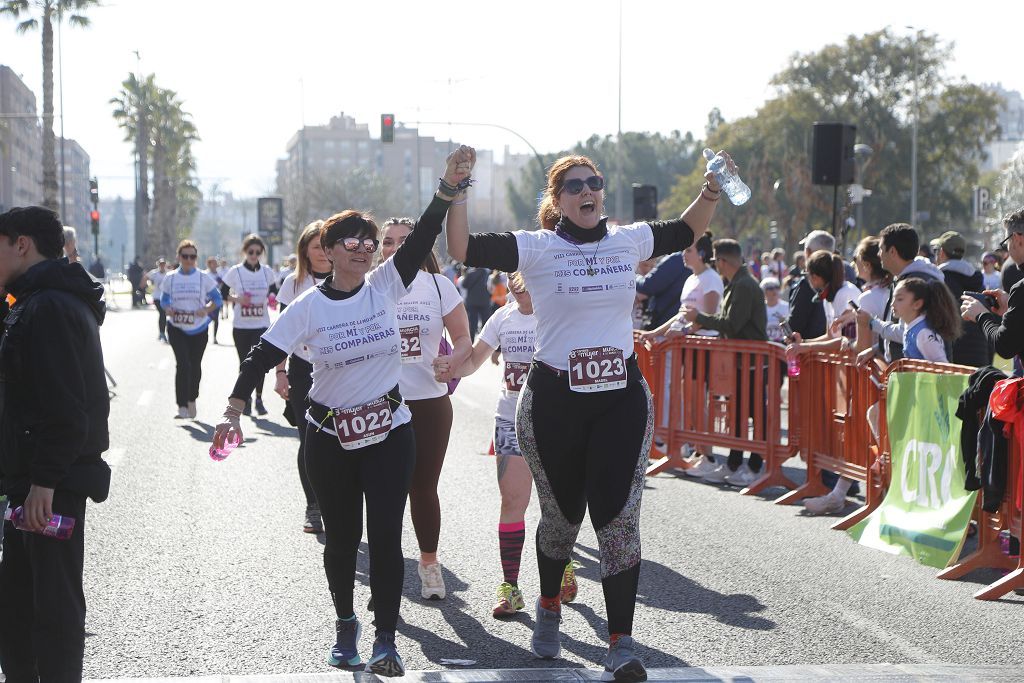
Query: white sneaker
182, 413
701, 466
432, 581
718, 475
742, 477
825, 505
192, 409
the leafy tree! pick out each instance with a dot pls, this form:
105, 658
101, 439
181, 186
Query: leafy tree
47, 11
867, 81
1010, 193
323, 195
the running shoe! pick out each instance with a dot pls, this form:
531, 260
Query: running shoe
182, 413
432, 581
314, 524
828, 504
510, 601
346, 650
260, 408
385, 660
718, 475
742, 477
622, 664
701, 466
569, 588
192, 410
545, 643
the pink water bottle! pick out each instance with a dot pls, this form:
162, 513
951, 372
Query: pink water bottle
272, 301
793, 366
59, 527
230, 443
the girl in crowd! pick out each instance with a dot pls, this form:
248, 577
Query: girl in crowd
359, 443
212, 271
875, 292
293, 384
513, 329
156, 276
990, 268
188, 296
584, 420
432, 306
249, 285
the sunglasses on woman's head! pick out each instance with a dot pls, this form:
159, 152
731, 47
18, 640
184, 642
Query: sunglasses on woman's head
353, 243
575, 185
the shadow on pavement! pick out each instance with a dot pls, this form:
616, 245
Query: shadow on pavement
669, 590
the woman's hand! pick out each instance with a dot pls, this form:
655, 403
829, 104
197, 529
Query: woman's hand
1002, 300
864, 356
281, 385
444, 370
229, 425
713, 185
459, 165
794, 349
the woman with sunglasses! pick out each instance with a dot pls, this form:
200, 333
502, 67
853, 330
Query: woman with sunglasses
293, 383
432, 306
584, 420
359, 443
188, 296
248, 285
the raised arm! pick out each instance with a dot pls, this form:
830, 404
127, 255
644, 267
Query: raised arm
678, 234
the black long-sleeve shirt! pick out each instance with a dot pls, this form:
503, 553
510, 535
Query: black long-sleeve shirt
806, 316
499, 249
407, 261
1007, 333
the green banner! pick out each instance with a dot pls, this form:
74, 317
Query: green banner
926, 510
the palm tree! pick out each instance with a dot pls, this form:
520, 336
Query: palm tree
47, 10
133, 111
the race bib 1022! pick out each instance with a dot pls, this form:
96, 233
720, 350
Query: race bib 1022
363, 425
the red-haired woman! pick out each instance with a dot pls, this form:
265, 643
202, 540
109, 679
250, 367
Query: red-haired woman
584, 420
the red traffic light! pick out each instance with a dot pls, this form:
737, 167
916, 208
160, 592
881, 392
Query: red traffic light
388, 121
95, 216
387, 128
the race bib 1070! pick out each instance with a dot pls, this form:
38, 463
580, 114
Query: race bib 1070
597, 368
183, 318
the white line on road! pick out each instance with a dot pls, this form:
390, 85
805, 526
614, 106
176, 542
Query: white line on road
146, 398
877, 631
113, 456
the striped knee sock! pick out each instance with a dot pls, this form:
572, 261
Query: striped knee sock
510, 542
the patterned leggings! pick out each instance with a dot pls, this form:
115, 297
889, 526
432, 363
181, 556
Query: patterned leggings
588, 450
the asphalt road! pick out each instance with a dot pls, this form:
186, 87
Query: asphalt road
195, 567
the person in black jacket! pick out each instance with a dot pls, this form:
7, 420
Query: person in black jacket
806, 312
478, 300
663, 285
53, 429
971, 348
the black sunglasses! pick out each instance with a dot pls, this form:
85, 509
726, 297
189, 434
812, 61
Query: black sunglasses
353, 243
255, 252
188, 257
575, 185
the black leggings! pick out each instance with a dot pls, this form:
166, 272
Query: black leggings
188, 352
432, 420
161, 322
300, 380
341, 479
741, 426
244, 341
588, 450
42, 604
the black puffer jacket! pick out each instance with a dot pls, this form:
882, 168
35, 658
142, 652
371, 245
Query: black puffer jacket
972, 347
54, 403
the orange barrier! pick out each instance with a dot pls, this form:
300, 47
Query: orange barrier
731, 390
835, 436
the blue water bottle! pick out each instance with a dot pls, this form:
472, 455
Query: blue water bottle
735, 189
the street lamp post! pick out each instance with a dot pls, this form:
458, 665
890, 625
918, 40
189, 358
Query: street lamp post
861, 153
913, 142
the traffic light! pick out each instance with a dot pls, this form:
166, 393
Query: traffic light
94, 192
94, 215
387, 127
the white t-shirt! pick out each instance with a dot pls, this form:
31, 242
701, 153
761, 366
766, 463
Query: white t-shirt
353, 342
694, 289
420, 324
992, 280
777, 314
873, 299
241, 280
516, 334
289, 293
186, 294
157, 278
575, 310
841, 302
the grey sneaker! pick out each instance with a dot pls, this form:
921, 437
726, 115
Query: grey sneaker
313, 523
545, 643
622, 664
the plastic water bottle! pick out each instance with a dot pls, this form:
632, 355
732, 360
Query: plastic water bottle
793, 366
734, 188
272, 301
59, 527
230, 443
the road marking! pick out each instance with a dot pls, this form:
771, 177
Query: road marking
146, 398
113, 456
163, 364
877, 631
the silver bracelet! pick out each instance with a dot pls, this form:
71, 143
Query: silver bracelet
460, 203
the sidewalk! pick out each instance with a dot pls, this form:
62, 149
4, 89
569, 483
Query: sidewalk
887, 673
